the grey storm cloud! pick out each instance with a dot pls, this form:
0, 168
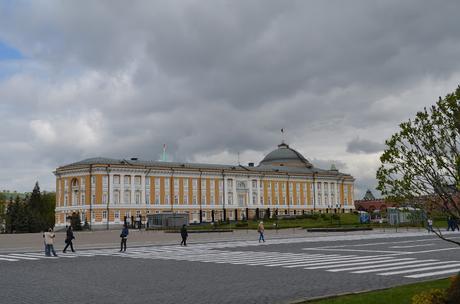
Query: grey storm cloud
214, 78
358, 145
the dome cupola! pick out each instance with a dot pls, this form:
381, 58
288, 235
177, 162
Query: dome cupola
285, 156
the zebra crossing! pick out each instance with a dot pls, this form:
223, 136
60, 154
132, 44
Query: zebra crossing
381, 265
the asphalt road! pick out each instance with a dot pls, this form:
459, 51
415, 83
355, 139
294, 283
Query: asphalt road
281, 270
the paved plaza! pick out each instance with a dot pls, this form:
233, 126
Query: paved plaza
235, 268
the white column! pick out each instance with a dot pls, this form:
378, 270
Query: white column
250, 191
259, 181
132, 189
235, 196
224, 194
122, 190
330, 202
315, 193
143, 189
110, 186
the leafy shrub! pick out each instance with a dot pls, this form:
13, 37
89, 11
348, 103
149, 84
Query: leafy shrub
335, 217
433, 296
323, 216
241, 224
453, 292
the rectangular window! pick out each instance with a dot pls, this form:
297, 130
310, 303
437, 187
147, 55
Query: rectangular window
105, 178
104, 214
194, 200
185, 199
254, 183
157, 199
127, 180
116, 179
185, 181
116, 197
83, 181
117, 215
195, 183
93, 198
166, 199
147, 181
230, 183
203, 183
176, 183
104, 198
127, 198
93, 180
212, 199
137, 180
254, 199
83, 199
157, 182
138, 197
230, 198
261, 200
176, 200
167, 183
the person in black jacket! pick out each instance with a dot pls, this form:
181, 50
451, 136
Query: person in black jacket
124, 238
184, 235
68, 239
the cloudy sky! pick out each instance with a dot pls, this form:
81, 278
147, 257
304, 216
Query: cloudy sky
212, 78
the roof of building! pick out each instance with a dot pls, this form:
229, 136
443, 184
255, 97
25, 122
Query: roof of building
285, 156
368, 196
283, 160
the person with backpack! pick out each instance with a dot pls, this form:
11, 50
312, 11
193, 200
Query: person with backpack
124, 238
68, 239
184, 235
261, 230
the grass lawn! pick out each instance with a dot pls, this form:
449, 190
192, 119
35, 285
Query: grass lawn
326, 220
396, 295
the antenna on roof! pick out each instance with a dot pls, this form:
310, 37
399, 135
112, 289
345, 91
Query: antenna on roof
282, 135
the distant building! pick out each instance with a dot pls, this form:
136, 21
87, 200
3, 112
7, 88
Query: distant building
369, 203
104, 190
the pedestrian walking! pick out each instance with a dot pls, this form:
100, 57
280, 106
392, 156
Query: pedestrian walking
455, 225
450, 224
430, 225
124, 238
184, 235
261, 230
68, 239
49, 241
44, 243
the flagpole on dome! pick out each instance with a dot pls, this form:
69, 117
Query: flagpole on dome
163, 158
282, 135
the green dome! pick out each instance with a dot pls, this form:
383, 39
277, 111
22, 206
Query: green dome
285, 156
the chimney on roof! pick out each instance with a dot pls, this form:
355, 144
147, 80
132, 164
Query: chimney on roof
251, 164
133, 158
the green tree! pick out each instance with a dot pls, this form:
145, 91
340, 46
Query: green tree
2, 213
75, 221
421, 162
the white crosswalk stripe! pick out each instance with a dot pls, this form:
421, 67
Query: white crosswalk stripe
383, 264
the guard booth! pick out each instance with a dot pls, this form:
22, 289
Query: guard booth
167, 220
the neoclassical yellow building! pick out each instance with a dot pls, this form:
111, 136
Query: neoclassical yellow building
105, 190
